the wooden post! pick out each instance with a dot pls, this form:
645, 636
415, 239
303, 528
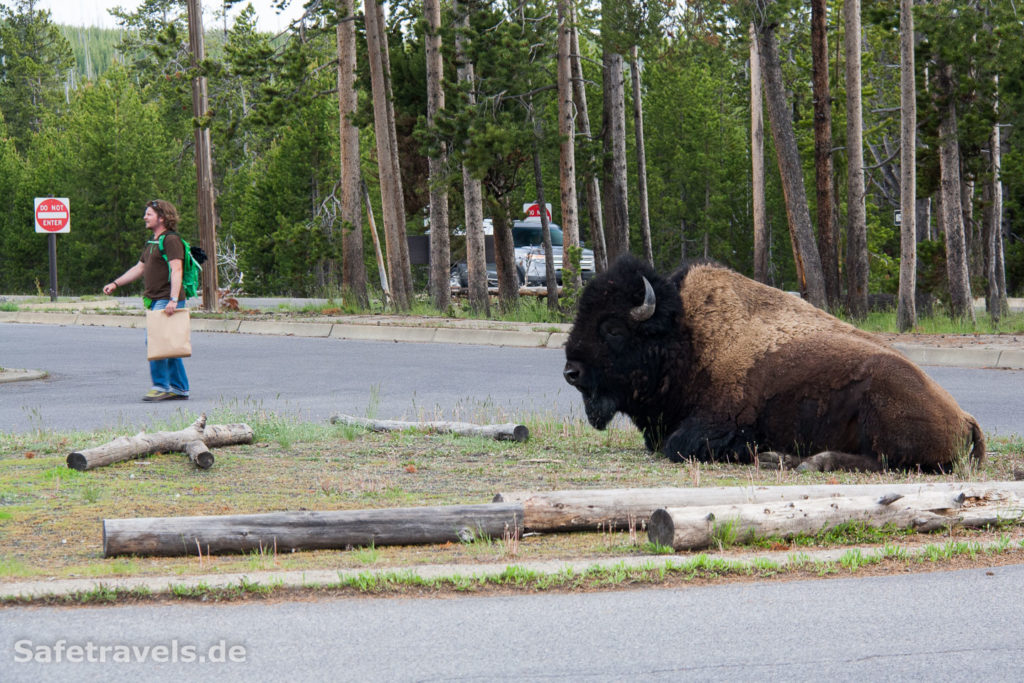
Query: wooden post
308, 530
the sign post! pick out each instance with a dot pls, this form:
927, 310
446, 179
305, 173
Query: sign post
53, 215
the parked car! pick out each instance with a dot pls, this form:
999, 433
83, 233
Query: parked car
527, 239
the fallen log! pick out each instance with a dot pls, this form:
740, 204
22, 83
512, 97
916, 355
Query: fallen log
691, 528
579, 510
537, 291
308, 530
195, 441
500, 432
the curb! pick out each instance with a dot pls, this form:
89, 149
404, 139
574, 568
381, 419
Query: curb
1002, 358
469, 332
327, 578
472, 332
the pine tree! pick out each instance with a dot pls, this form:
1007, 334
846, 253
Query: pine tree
34, 70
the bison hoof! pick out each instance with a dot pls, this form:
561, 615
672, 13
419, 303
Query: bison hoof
770, 460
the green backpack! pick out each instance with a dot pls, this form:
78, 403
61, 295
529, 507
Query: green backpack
190, 267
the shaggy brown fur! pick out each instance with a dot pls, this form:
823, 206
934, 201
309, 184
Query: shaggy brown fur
732, 367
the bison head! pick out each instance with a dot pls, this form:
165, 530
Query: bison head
624, 342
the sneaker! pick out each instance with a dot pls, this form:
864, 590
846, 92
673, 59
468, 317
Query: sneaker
177, 397
157, 395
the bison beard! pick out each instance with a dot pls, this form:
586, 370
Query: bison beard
714, 366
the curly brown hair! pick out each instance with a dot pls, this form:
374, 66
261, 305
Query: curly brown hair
165, 210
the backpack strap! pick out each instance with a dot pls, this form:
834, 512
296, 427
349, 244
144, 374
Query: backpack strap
160, 244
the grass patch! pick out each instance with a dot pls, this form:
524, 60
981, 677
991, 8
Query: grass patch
886, 322
50, 516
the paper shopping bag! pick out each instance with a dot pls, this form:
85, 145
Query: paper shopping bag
168, 336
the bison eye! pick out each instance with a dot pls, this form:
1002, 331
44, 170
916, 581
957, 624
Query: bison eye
615, 334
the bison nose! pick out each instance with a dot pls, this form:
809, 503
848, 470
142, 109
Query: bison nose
573, 373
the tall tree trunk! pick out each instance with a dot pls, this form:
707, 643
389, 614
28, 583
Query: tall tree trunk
387, 158
472, 196
995, 272
353, 267
923, 218
972, 229
906, 310
827, 250
951, 212
205, 207
641, 157
805, 252
757, 163
571, 276
856, 228
593, 184
616, 204
440, 249
397, 196
504, 253
545, 225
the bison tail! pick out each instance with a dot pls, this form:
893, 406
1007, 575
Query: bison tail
977, 441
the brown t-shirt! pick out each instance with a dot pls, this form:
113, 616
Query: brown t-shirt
156, 275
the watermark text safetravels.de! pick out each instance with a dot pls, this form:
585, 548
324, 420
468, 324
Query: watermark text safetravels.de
169, 652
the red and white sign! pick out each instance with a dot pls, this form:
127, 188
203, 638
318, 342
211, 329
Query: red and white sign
53, 214
533, 210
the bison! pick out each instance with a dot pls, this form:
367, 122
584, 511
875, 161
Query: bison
712, 365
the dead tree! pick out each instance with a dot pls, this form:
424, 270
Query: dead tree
499, 432
195, 441
581, 510
308, 530
690, 528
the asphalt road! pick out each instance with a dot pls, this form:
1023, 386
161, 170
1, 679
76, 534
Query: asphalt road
98, 375
945, 626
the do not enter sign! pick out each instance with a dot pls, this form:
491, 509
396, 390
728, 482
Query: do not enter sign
53, 214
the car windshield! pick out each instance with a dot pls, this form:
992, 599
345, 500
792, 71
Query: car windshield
530, 236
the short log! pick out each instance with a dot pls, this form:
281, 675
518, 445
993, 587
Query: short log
308, 530
195, 441
580, 510
500, 432
692, 528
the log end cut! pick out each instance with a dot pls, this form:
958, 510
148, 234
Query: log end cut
77, 461
520, 433
661, 530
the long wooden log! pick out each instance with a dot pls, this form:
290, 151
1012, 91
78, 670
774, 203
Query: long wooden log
579, 510
539, 292
308, 530
691, 528
195, 440
500, 432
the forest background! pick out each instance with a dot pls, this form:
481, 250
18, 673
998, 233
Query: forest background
105, 117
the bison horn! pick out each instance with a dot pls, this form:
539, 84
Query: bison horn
645, 310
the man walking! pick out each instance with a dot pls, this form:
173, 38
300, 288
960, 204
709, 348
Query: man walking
161, 272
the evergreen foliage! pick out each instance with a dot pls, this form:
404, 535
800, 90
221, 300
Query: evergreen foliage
104, 117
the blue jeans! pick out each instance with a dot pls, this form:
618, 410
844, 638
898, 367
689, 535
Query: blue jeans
168, 374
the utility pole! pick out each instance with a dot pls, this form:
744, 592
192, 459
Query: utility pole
205, 208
